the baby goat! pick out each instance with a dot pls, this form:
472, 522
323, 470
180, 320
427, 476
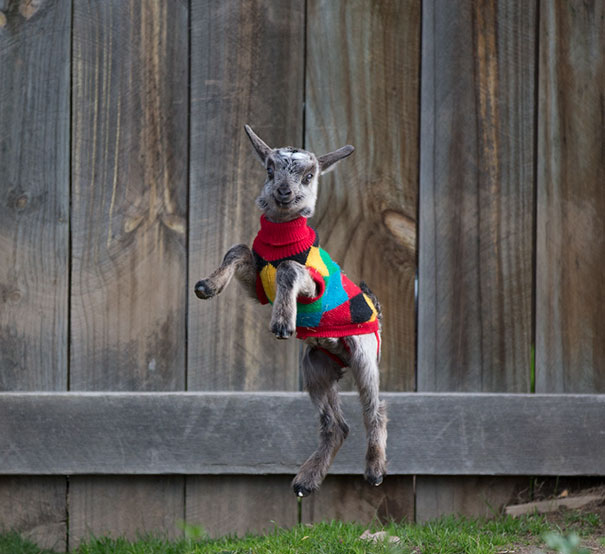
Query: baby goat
338, 320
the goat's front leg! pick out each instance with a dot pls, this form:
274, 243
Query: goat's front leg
238, 261
291, 280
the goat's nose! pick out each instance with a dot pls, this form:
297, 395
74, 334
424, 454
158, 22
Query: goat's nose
284, 191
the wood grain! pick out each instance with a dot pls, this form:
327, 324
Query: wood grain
129, 231
197, 433
34, 237
362, 79
570, 287
358, 70
129, 213
240, 504
349, 498
34, 197
366, 214
246, 67
476, 196
480, 496
476, 209
35, 507
125, 507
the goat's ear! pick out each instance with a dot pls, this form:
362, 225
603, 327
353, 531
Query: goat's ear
328, 161
262, 150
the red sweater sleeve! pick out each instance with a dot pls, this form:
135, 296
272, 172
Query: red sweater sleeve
321, 286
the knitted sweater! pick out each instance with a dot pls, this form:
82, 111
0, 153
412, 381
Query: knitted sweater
340, 309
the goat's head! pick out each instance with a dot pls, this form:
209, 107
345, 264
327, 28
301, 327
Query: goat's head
290, 189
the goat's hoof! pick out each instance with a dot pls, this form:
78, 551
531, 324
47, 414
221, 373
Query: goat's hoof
281, 332
374, 479
204, 290
301, 490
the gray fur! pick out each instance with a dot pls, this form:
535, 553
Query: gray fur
320, 376
290, 191
292, 280
239, 261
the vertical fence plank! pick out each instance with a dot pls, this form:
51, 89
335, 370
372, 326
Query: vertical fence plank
480, 496
476, 208
237, 504
129, 225
125, 507
349, 498
570, 290
476, 196
34, 197
129, 195
362, 84
362, 89
36, 508
247, 65
34, 236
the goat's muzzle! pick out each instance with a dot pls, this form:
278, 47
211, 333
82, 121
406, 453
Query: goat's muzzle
283, 195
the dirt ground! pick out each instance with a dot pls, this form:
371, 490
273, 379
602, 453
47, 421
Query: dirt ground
570, 521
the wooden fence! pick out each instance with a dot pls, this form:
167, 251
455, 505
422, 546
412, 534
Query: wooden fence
125, 174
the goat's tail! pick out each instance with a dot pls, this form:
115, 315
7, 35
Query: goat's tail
366, 290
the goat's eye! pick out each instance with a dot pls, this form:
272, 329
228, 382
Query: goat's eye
270, 172
307, 178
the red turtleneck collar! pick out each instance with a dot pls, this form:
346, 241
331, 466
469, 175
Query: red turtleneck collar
280, 240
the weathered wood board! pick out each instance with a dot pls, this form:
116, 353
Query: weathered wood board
361, 88
196, 433
35, 41
163, 181
554, 505
129, 230
362, 80
129, 196
476, 196
34, 196
349, 498
238, 504
234, 82
247, 63
35, 507
125, 506
480, 496
570, 280
476, 209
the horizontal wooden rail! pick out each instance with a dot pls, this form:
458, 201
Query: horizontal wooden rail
258, 433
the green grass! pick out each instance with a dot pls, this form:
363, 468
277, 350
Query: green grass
581, 522
444, 536
11, 542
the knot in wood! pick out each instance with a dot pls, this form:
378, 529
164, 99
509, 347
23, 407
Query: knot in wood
21, 201
27, 8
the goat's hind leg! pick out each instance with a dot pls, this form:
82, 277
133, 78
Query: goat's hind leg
364, 366
237, 261
321, 375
